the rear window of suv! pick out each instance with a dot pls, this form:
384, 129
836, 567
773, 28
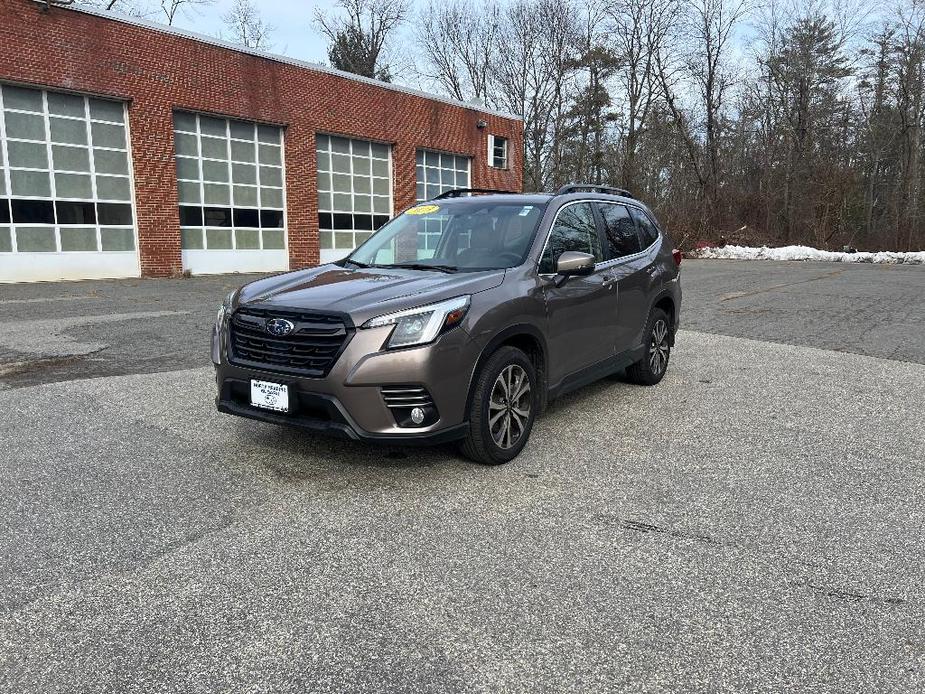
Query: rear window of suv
648, 233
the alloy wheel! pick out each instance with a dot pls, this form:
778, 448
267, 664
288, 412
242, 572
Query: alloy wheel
659, 349
509, 406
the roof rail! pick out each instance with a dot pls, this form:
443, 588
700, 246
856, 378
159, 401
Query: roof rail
592, 188
459, 192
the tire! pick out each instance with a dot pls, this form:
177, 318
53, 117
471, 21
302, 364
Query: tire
652, 367
491, 408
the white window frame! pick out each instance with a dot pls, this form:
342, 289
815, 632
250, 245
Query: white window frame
491, 152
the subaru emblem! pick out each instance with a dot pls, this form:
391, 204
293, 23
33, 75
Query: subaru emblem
279, 327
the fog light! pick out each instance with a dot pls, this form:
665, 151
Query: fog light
417, 415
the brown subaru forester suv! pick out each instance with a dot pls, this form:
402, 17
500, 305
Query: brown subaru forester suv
458, 320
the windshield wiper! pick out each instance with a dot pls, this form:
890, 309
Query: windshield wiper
356, 262
425, 266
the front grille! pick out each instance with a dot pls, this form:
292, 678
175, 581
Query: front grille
406, 396
310, 349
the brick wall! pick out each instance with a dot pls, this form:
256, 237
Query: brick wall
157, 72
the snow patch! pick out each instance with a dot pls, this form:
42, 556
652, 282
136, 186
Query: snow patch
807, 253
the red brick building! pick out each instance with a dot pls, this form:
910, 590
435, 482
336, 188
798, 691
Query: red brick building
130, 148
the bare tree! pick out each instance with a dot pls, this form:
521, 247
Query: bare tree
246, 26
171, 8
359, 34
458, 41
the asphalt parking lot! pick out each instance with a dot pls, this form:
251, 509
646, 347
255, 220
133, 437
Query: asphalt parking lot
753, 523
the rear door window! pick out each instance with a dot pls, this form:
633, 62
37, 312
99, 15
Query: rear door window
620, 230
574, 230
648, 233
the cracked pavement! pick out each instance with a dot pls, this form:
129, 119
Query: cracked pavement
753, 523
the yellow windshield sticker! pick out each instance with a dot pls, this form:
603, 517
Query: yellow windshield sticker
423, 209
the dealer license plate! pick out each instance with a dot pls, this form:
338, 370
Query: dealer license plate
270, 396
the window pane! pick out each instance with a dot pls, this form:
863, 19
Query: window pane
78, 239
27, 126
217, 216
114, 213
266, 133
29, 155
70, 158
106, 110
241, 130
325, 240
113, 188
6, 240
110, 161
184, 121
22, 98
185, 144
380, 167
215, 148
214, 171
342, 202
216, 194
271, 197
187, 168
340, 163
74, 186
340, 183
117, 239
247, 238
343, 240
244, 173
339, 144
381, 186
419, 156
191, 239
362, 203
273, 238
647, 231
75, 212
30, 183
242, 151
361, 167
36, 239
271, 176
620, 230
382, 206
218, 238
106, 135
271, 155
324, 181
190, 216
362, 185
271, 219
380, 151
246, 217
574, 230
66, 105
188, 192
245, 196
212, 126
5, 212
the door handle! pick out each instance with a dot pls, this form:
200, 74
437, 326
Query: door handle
651, 269
608, 281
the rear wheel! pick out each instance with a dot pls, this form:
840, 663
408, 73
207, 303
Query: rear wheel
503, 407
651, 368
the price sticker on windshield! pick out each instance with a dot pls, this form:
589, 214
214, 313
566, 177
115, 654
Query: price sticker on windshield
423, 209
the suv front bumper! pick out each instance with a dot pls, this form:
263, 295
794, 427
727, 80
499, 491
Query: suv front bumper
348, 402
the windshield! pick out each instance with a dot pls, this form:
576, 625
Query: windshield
458, 235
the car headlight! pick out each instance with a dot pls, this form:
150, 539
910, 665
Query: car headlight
225, 308
418, 326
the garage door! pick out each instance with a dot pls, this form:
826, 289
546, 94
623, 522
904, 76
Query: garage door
66, 208
230, 185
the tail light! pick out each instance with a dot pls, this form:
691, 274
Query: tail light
676, 254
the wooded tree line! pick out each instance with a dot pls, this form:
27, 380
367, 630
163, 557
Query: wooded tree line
763, 121
774, 123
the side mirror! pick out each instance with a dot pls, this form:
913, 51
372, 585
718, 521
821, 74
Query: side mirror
574, 263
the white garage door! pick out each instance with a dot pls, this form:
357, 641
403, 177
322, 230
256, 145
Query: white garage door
66, 208
230, 184
354, 192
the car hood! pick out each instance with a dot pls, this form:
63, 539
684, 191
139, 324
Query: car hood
363, 293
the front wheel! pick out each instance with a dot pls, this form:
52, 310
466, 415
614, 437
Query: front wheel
651, 368
503, 407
